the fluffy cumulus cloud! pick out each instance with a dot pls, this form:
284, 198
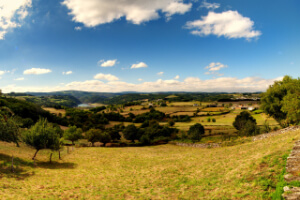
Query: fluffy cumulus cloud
107, 77
229, 24
210, 6
36, 71
176, 77
192, 84
95, 12
67, 73
19, 79
139, 65
12, 12
160, 73
108, 63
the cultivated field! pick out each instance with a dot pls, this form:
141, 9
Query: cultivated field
247, 171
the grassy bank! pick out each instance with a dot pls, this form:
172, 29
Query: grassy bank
246, 171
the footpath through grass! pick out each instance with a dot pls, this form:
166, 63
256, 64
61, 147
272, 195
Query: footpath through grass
247, 171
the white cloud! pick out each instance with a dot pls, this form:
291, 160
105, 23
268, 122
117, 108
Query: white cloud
191, 84
160, 73
108, 77
19, 79
12, 12
67, 73
215, 66
176, 77
229, 24
177, 8
3, 72
139, 65
108, 63
36, 71
95, 12
78, 28
140, 79
210, 6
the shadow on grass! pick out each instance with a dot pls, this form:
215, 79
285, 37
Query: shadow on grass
56, 165
20, 169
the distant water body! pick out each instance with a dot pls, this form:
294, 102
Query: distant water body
83, 105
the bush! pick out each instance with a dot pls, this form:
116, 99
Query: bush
245, 124
93, 135
208, 119
213, 120
196, 132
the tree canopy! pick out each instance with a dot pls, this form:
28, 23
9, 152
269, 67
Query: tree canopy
281, 101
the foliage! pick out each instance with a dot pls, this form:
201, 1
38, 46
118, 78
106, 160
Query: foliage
281, 101
114, 132
104, 137
131, 132
196, 132
245, 124
73, 134
181, 118
93, 135
153, 114
42, 135
9, 128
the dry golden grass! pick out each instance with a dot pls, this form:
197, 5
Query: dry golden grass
169, 109
158, 172
55, 111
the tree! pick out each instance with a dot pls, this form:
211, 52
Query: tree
281, 101
196, 132
93, 135
131, 132
42, 135
73, 134
245, 124
104, 137
9, 128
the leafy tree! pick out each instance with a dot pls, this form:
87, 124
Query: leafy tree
131, 132
114, 132
9, 128
196, 132
245, 124
93, 135
73, 134
104, 137
281, 101
42, 135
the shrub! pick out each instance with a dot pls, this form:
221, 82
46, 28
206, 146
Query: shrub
245, 124
213, 120
196, 132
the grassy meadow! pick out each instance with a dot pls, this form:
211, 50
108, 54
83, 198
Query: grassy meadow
246, 171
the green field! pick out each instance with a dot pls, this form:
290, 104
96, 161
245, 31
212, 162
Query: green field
247, 171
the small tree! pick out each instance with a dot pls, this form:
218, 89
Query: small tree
9, 128
131, 132
104, 137
42, 135
93, 135
73, 134
196, 132
245, 124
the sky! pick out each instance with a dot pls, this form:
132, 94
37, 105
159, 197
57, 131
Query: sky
147, 45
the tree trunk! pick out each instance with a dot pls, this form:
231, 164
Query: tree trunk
17, 143
50, 157
59, 155
35, 154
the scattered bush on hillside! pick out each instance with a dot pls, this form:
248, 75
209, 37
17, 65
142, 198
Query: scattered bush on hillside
196, 132
42, 135
131, 133
246, 124
9, 127
73, 134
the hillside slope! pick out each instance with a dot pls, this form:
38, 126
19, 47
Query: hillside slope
247, 171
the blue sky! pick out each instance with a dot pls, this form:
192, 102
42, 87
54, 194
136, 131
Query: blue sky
147, 45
